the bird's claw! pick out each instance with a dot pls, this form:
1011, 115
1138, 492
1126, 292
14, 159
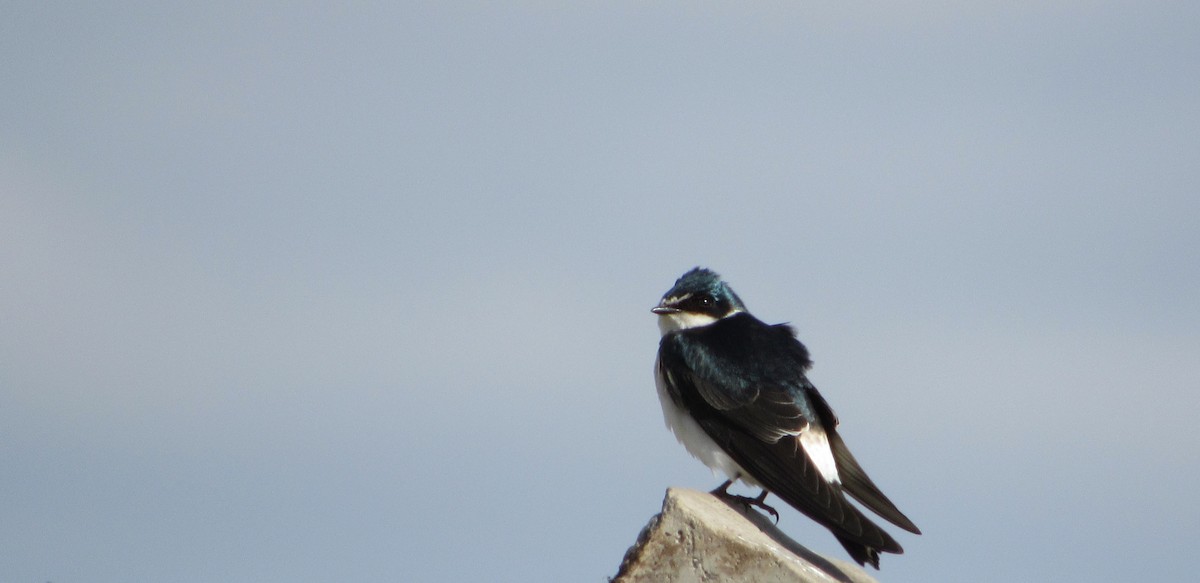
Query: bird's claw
769, 510
747, 501
755, 502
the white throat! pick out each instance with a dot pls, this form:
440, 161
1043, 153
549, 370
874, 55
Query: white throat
668, 323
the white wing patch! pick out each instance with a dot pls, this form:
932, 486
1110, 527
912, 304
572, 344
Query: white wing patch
816, 446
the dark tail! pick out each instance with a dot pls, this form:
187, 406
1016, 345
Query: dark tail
865, 555
856, 483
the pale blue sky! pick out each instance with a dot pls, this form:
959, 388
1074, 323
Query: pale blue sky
313, 293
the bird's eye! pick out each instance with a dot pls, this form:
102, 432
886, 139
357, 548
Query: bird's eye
700, 303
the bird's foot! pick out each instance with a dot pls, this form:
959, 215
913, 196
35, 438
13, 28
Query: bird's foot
722, 491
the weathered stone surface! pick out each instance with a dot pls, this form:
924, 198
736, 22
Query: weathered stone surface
701, 538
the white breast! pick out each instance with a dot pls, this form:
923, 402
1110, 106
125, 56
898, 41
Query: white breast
693, 437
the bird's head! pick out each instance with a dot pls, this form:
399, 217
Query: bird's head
698, 298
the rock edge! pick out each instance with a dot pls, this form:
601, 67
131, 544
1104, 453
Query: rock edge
699, 537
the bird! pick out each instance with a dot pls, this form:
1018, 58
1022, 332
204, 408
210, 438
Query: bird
735, 393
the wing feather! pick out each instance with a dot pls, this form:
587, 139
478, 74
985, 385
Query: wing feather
855, 480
